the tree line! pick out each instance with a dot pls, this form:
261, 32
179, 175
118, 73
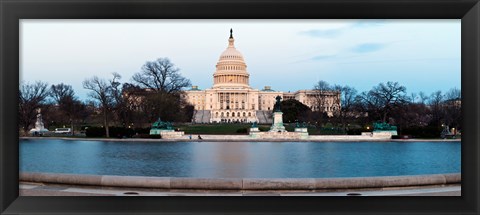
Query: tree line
387, 102
156, 91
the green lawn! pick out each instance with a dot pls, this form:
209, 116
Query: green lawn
240, 129
215, 128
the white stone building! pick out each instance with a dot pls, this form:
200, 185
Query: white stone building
231, 99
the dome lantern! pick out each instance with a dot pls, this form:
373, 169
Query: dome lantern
231, 40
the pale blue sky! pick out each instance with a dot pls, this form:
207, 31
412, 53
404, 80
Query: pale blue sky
288, 55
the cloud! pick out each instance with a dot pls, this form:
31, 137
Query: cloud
402, 60
368, 47
329, 33
366, 23
322, 57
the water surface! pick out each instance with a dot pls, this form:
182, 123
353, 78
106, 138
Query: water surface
239, 159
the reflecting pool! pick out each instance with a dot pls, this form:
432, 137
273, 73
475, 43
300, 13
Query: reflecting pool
239, 159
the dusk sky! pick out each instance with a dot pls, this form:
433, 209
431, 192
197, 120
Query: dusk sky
288, 55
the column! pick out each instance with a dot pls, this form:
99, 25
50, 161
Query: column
236, 101
223, 101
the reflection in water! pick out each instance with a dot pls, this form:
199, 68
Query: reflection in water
240, 159
224, 160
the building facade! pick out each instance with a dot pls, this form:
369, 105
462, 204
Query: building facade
231, 99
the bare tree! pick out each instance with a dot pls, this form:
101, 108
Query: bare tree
435, 102
102, 92
121, 108
453, 94
68, 104
347, 101
31, 97
385, 97
453, 108
116, 87
366, 102
411, 115
413, 97
161, 75
321, 89
61, 91
423, 97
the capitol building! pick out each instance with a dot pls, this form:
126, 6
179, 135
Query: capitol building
231, 99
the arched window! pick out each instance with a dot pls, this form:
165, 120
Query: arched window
244, 114
233, 114
216, 114
227, 114
249, 114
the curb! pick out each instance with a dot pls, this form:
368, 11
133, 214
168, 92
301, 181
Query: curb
241, 183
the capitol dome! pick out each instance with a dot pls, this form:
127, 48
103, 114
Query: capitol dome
231, 69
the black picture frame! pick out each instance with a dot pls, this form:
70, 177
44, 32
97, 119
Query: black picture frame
11, 11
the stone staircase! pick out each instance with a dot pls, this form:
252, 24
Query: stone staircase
206, 116
264, 117
201, 116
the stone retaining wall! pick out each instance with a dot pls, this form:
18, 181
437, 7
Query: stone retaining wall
279, 135
241, 183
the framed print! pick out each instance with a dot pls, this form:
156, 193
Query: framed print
259, 116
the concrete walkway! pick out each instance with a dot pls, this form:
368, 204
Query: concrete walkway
40, 189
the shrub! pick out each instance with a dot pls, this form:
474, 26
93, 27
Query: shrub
242, 130
118, 132
95, 132
141, 136
142, 131
356, 131
155, 136
263, 128
422, 132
